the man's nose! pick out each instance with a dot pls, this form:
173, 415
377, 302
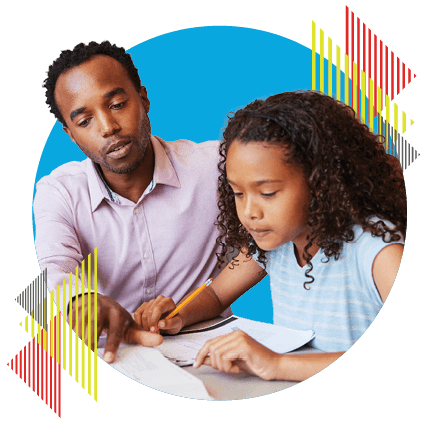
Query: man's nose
108, 124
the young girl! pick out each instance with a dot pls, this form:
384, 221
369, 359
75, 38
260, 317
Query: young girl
307, 194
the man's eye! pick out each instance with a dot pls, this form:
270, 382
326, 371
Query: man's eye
118, 106
268, 195
84, 123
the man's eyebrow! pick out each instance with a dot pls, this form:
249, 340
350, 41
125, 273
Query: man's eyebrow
258, 183
110, 94
115, 91
74, 113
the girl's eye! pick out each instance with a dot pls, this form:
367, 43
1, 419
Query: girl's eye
268, 195
237, 194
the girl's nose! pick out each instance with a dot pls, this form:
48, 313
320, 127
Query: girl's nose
252, 210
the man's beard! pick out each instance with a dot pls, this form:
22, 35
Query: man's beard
142, 144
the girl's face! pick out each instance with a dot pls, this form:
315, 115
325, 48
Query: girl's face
272, 196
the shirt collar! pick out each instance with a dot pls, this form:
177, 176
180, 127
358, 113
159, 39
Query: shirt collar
113, 196
96, 185
164, 173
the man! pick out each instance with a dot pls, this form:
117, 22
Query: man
149, 206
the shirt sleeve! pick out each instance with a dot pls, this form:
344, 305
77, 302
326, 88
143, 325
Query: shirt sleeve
56, 241
256, 259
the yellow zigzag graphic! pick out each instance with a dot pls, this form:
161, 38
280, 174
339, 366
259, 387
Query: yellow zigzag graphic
46, 333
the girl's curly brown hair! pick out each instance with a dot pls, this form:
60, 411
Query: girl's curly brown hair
350, 176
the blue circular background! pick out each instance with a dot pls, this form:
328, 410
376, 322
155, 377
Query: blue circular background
194, 78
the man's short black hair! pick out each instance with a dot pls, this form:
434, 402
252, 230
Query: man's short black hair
80, 54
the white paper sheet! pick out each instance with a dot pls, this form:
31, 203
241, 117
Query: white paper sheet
149, 367
182, 349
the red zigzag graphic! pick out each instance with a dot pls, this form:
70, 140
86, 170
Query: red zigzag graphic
39, 370
397, 74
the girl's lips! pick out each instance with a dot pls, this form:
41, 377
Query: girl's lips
259, 233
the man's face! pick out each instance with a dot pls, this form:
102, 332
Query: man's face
105, 115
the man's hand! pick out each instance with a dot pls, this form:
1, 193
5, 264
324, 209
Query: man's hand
115, 320
150, 316
236, 352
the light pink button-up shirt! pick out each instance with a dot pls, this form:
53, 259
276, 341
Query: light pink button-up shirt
163, 244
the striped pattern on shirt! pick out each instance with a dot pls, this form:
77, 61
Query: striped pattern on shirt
342, 301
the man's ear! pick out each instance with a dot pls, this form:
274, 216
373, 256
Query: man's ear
68, 132
144, 97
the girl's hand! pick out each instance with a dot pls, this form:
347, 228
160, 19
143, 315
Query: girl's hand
236, 352
151, 316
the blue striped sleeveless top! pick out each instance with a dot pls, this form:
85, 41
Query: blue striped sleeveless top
342, 301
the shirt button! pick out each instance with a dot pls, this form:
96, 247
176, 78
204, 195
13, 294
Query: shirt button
148, 291
136, 211
146, 256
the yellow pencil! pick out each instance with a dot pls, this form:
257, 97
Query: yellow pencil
190, 298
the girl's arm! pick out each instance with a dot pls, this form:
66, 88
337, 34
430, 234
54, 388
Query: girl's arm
299, 367
385, 267
238, 352
229, 285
